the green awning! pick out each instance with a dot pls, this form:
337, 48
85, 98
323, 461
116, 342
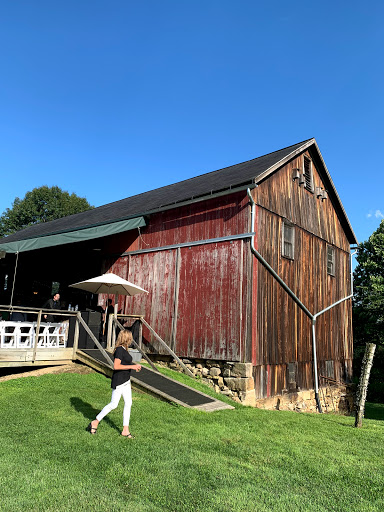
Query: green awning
70, 237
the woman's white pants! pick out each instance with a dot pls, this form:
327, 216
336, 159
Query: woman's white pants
124, 390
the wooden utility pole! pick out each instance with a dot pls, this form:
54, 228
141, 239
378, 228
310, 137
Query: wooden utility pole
363, 384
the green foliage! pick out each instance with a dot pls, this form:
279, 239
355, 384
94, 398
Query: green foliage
368, 308
182, 460
42, 204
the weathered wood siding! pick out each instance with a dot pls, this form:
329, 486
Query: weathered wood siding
283, 330
283, 196
215, 301
199, 294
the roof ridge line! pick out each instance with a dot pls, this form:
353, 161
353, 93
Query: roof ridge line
207, 173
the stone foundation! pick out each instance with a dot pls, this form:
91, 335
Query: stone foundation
228, 378
335, 398
235, 381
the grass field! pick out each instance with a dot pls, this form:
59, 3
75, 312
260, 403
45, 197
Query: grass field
181, 460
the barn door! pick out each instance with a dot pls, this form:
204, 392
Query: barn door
155, 272
210, 319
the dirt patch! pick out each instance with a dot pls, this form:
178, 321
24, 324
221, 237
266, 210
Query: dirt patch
65, 368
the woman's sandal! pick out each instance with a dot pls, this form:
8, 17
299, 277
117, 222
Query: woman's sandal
91, 430
129, 436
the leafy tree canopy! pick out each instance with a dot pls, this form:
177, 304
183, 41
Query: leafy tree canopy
369, 289
368, 309
42, 204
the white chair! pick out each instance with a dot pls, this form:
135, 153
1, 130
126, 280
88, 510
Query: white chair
2, 325
55, 336
41, 336
26, 335
10, 334
51, 336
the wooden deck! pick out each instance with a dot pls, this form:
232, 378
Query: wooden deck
42, 357
44, 350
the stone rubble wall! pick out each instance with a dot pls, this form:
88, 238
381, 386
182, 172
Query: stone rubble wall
235, 380
335, 398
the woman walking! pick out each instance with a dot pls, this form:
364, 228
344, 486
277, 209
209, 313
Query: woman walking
121, 384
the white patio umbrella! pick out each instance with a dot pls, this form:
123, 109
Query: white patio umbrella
109, 283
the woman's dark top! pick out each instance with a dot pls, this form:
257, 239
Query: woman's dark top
121, 376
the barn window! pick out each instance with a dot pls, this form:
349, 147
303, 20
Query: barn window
292, 374
288, 245
330, 260
55, 288
308, 173
330, 369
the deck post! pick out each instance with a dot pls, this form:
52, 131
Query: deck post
76, 336
187, 370
37, 334
95, 340
137, 346
109, 334
141, 334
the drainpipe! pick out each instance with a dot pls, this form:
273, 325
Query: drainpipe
296, 299
315, 317
341, 300
291, 294
266, 264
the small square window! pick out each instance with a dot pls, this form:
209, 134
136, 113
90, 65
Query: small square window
308, 173
55, 288
330, 260
288, 243
330, 369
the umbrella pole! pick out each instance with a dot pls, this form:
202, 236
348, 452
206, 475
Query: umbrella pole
105, 315
115, 317
116, 305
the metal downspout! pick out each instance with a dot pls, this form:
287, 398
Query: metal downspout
269, 268
292, 295
315, 317
296, 299
341, 300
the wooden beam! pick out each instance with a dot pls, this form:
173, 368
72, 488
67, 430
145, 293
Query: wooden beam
176, 299
93, 363
187, 371
37, 334
137, 346
95, 340
29, 364
109, 332
27, 355
76, 336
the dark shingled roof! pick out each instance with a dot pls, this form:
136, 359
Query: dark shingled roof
141, 204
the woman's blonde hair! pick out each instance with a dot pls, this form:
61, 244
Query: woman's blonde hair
124, 339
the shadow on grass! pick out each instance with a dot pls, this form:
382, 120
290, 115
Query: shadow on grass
374, 411
90, 412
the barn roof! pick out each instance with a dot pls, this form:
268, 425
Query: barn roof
129, 213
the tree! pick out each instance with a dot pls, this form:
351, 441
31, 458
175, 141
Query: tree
368, 304
369, 288
42, 204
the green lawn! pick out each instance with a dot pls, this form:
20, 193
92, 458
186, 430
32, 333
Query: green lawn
181, 460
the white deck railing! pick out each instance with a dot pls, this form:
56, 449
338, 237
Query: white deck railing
22, 335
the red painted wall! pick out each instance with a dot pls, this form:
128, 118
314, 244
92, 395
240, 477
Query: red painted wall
198, 295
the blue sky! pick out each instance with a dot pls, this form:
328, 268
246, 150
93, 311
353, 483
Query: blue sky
110, 99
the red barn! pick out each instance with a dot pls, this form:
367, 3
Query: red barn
238, 263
